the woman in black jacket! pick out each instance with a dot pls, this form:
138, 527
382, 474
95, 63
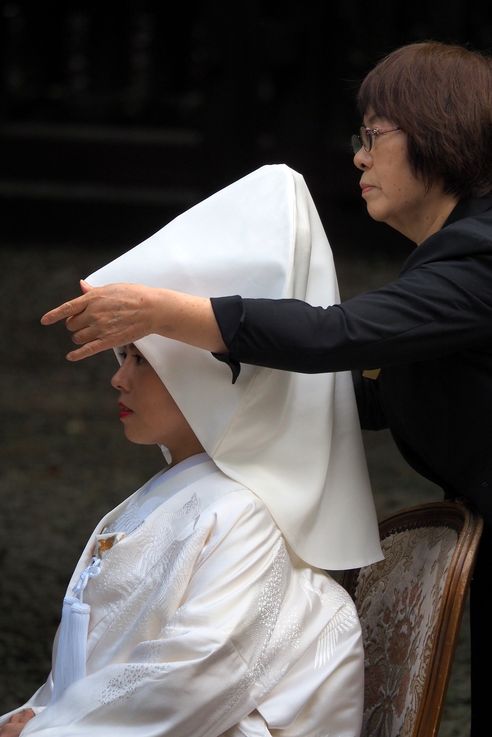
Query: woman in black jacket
425, 156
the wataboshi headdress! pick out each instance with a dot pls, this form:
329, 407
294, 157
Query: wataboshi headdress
293, 439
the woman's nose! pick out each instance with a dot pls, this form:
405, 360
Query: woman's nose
362, 159
119, 380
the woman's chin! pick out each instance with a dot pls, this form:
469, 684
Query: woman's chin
376, 213
135, 437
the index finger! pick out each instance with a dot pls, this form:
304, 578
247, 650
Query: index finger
67, 309
21, 716
89, 349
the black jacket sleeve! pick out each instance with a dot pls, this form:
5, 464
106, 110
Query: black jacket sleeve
440, 304
369, 402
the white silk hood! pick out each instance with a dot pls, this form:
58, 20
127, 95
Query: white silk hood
293, 439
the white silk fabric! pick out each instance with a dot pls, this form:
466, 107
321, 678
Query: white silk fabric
293, 439
203, 624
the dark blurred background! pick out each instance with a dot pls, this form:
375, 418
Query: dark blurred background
114, 118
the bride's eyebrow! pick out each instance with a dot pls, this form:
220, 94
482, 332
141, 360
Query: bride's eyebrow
126, 348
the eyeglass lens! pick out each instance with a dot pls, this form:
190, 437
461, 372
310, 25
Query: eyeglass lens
363, 139
366, 138
356, 143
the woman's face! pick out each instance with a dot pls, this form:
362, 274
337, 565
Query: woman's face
148, 412
393, 194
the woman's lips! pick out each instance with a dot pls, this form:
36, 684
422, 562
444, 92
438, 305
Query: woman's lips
124, 410
366, 188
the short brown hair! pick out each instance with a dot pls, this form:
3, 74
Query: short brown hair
440, 95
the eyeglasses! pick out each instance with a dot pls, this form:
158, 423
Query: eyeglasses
366, 137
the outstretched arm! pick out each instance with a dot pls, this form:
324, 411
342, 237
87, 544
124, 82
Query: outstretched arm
118, 314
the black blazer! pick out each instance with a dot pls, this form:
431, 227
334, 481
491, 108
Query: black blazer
430, 333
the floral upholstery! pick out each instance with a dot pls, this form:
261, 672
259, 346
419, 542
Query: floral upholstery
398, 601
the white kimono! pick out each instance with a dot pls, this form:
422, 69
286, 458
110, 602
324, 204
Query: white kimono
203, 622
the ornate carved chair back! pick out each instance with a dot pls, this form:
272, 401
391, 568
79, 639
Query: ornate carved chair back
410, 606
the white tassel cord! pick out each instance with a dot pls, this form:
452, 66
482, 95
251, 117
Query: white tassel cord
71, 652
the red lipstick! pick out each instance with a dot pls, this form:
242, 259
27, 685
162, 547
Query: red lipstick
124, 410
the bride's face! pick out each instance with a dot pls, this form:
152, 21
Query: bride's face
148, 412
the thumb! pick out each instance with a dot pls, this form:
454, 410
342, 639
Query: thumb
85, 286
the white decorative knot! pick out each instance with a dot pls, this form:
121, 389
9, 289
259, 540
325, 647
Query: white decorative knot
92, 570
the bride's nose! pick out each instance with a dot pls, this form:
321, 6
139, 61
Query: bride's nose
121, 379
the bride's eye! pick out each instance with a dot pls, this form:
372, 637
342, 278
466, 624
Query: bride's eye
138, 358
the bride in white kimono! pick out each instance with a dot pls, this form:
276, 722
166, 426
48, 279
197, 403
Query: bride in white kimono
200, 606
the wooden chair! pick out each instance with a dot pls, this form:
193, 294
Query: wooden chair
410, 606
